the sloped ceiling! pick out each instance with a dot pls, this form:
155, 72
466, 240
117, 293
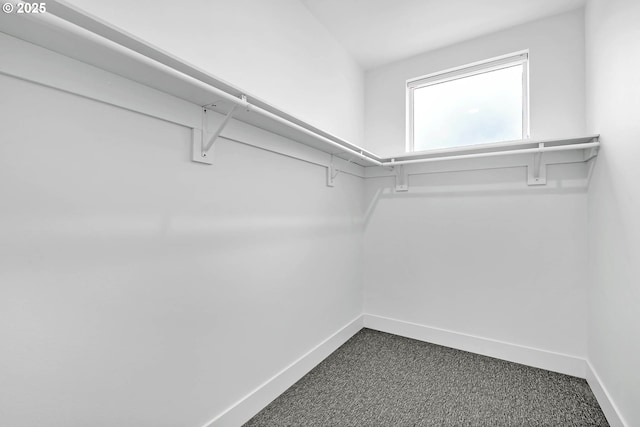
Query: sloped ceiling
377, 32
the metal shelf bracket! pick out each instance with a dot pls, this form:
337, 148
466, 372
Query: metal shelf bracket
589, 155
332, 173
402, 178
204, 142
537, 169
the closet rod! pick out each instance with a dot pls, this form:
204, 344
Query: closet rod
344, 149
495, 153
73, 15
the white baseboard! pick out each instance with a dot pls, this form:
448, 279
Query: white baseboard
551, 361
244, 409
247, 407
604, 399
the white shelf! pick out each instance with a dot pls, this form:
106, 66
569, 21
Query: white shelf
520, 146
76, 34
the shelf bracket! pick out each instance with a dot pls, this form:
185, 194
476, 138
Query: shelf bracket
203, 143
589, 156
590, 153
332, 173
402, 178
537, 169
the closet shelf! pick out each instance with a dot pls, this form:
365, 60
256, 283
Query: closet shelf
72, 32
76, 34
532, 150
520, 146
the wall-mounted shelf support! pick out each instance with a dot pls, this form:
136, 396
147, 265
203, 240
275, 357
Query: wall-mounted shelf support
589, 156
202, 149
332, 173
537, 171
402, 178
591, 153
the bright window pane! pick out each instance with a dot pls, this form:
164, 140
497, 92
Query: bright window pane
471, 110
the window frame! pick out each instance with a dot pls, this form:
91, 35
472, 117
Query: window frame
468, 70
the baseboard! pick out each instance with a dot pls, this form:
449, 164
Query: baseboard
244, 409
551, 361
247, 407
604, 399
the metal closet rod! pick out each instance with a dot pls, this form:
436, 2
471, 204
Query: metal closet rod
315, 135
71, 14
494, 154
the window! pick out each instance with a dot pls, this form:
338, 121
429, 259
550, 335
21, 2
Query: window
480, 103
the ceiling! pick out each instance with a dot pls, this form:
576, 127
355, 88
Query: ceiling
377, 32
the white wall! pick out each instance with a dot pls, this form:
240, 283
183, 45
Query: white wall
480, 252
141, 289
483, 254
556, 75
613, 100
275, 50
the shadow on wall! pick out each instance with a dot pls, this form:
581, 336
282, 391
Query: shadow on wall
489, 183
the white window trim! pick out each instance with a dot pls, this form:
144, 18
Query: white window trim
492, 64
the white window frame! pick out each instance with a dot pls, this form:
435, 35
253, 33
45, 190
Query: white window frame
497, 63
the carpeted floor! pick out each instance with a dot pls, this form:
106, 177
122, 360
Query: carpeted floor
378, 379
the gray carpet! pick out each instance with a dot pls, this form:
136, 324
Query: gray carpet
378, 379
